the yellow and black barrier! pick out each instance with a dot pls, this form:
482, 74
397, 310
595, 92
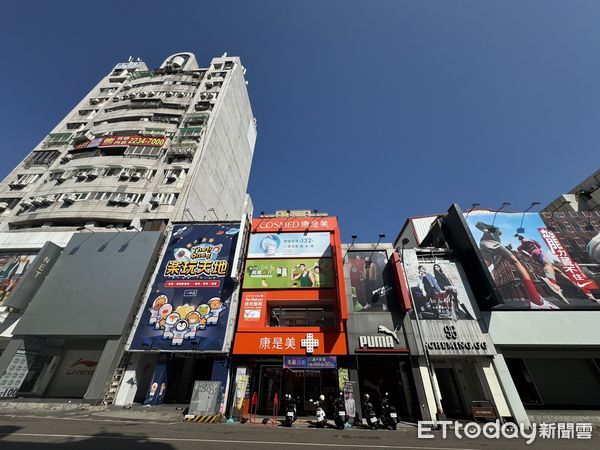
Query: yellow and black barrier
216, 418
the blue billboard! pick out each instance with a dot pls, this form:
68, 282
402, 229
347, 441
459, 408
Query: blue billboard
290, 245
188, 306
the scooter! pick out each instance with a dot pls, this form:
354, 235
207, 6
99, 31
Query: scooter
321, 418
389, 416
291, 413
339, 410
369, 413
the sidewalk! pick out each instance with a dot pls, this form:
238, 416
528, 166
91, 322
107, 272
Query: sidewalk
563, 416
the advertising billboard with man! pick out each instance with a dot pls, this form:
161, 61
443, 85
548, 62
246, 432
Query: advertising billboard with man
539, 261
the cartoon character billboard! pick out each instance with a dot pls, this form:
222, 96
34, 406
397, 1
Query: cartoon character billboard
539, 261
188, 306
290, 245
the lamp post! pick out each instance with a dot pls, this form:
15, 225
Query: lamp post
521, 229
354, 238
498, 210
473, 206
432, 379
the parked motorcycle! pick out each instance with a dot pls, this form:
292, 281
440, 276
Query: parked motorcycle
320, 413
369, 413
291, 412
339, 411
389, 416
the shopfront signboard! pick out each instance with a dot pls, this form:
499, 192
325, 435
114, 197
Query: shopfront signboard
290, 245
309, 362
305, 273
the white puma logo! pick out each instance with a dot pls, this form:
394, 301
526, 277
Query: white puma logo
385, 330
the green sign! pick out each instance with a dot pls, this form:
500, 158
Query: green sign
308, 273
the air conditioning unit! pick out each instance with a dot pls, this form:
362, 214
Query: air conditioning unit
37, 201
47, 200
116, 98
203, 96
124, 175
209, 84
180, 95
136, 175
81, 175
61, 178
94, 101
142, 94
69, 198
65, 159
26, 203
169, 94
151, 94
171, 177
154, 200
92, 174
3, 206
115, 199
16, 184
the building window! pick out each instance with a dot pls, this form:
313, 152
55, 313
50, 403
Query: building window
287, 316
163, 199
59, 137
173, 175
42, 158
143, 151
112, 171
23, 180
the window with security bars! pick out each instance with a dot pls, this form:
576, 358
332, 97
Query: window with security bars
42, 158
59, 137
143, 151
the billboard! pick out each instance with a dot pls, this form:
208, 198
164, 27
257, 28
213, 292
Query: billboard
372, 287
188, 306
289, 245
305, 273
539, 261
12, 267
123, 141
438, 289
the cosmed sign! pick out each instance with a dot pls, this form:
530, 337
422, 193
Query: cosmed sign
188, 306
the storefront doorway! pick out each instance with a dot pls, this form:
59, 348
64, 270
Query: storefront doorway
460, 384
304, 384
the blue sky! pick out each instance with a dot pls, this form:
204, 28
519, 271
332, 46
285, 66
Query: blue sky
373, 111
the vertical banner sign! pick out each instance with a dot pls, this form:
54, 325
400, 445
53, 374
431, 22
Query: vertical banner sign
188, 306
158, 385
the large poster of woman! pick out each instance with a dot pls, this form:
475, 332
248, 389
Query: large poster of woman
12, 268
438, 290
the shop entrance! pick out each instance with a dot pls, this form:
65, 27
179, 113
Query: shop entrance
459, 384
182, 369
302, 384
392, 375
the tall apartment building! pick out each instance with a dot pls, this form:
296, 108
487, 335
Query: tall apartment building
144, 146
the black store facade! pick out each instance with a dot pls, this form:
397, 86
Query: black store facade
379, 360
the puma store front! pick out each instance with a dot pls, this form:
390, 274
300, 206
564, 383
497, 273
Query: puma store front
449, 328
379, 360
